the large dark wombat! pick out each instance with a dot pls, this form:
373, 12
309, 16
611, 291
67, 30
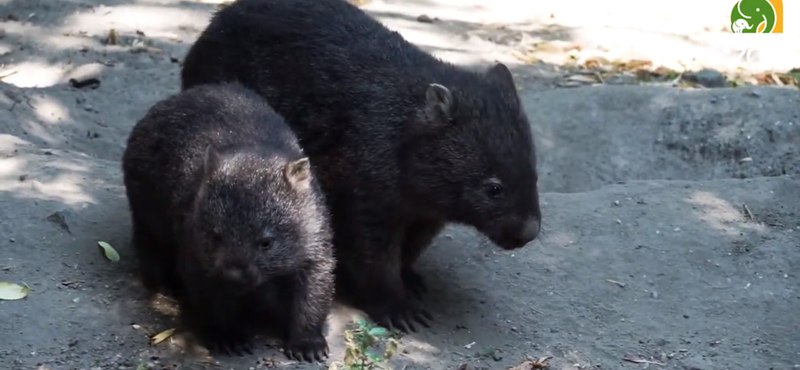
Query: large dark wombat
402, 142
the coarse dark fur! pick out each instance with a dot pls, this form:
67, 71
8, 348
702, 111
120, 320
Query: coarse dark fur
228, 217
403, 143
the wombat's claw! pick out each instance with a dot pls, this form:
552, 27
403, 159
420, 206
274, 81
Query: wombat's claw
414, 282
232, 348
404, 317
308, 349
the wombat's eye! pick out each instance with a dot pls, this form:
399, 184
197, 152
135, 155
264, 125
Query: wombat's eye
495, 191
265, 243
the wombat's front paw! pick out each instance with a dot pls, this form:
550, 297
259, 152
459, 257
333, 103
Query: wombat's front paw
228, 344
311, 347
401, 316
413, 282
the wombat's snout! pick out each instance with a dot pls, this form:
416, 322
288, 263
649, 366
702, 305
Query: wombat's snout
523, 234
245, 277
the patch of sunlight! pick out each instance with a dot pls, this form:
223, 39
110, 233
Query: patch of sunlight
720, 214
10, 165
36, 129
418, 351
130, 18
5, 49
48, 109
34, 74
65, 188
10, 143
67, 166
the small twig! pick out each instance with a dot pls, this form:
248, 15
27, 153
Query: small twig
5, 74
747, 212
638, 360
599, 77
619, 284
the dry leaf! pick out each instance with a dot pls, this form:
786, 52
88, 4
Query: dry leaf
540, 363
664, 71
112, 37
13, 292
763, 78
162, 336
777, 79
524, 57
631, 64
595, 63
546, 47
109, 251
534, 364
639, 64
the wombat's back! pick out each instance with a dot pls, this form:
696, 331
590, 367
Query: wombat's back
307, 42
164, 152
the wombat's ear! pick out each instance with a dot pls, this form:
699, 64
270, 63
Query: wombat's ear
298, 173
211, 160
438, 102
500, 73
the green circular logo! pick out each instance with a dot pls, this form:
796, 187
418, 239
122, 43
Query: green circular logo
753, 16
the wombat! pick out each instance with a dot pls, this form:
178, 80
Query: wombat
228, 215
402, 142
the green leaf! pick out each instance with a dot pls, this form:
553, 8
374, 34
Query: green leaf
109, 251
12, 292
361, 322
378, 331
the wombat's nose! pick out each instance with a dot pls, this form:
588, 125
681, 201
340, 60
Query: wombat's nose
530, 230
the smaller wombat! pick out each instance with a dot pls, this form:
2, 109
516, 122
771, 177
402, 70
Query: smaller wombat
228, 216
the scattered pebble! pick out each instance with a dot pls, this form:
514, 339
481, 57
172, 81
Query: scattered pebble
92, 83
707, 77
424, 19
87, 75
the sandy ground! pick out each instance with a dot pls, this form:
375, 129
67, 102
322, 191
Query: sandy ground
672, 217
